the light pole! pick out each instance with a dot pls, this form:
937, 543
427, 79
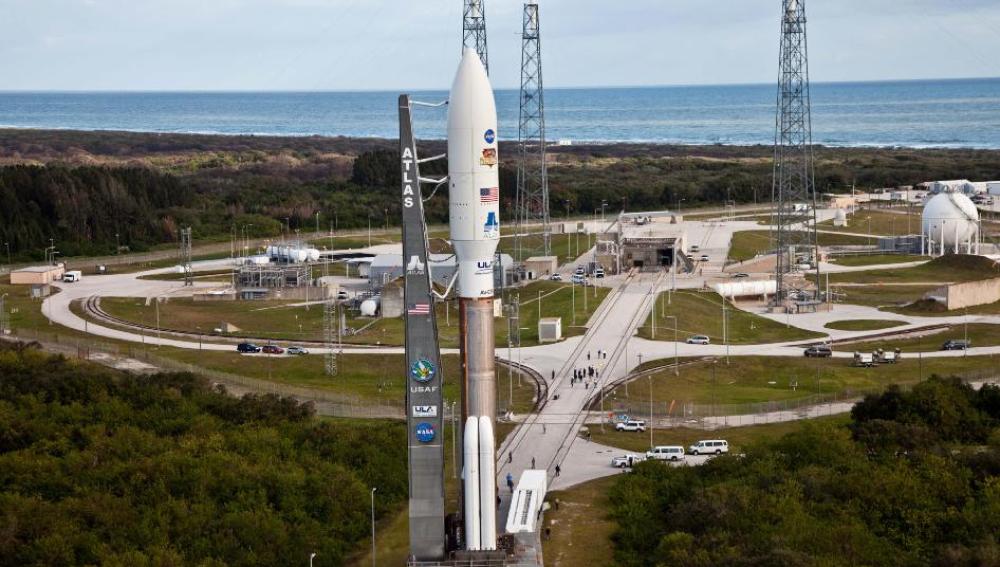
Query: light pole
369, 230
677, 370
650, 376
373, 525
311, 557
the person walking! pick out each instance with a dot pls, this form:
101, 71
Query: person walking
510, 482
588, 355
510, 457
544, 431
558, 470
532, 462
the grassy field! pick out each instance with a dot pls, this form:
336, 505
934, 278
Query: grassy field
876, 259
877, 222
980, 334
284, 320
955, 268
752, 379
369, 377
739, 437
701, 313
581, 528
749, 243
863, 325
889, 297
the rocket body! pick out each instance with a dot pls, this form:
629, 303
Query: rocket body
474, 215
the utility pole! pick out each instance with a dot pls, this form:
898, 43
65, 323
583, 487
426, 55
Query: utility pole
794, 185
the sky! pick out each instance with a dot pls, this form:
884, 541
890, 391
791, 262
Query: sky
415, 44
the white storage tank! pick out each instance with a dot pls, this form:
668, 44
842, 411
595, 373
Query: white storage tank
840, 218
950, 220
369, 307
259, 260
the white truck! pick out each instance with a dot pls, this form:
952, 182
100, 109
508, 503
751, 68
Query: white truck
72, 276
626, 461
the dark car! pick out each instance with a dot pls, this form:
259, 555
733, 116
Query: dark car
818, 351
956, 345
272, 349
247, 347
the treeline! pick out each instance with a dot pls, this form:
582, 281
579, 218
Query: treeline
103, 468
142, 187
912, 481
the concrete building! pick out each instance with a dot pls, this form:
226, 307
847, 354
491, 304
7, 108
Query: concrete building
37, 275
538, 267
650, 241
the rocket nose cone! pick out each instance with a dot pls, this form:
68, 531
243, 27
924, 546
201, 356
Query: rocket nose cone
471, 92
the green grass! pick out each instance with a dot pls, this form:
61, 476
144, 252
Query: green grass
876, 259
876, 222
754, 379
749, 243
369, 377
888, 297
863, 325
981, 335
581, 527
931, 308
700, 313
739, 437
206, 276
953, 268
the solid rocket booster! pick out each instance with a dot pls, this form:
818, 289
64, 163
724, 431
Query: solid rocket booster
474, 212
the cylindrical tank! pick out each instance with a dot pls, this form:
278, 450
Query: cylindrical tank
840, 218
369, 307
950, 218
260, 260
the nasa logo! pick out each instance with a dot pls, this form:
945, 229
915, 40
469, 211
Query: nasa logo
489, 157
490, 136
425, 411
491, 229
425, 432
423, 371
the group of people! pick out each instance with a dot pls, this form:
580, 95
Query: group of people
584, 375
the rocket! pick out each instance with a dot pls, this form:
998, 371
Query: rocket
474, 218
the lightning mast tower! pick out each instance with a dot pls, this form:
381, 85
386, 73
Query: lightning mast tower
474, 30
794, 187
532, 174
331, 331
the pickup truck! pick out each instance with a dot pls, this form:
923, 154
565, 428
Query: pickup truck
626, 461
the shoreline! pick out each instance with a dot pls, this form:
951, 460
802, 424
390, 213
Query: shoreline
553, 146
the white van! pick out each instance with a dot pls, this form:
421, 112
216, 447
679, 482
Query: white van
666, 453
72, 276
710, 447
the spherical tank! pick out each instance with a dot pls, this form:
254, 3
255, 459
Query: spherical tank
950, 218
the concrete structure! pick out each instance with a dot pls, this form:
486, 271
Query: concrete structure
550, 329
950, 225
968, 294
37, 275
538, 267
392, 300
650, 241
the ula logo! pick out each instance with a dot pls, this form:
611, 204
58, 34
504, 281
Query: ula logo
425, 411
425, 432
484, 265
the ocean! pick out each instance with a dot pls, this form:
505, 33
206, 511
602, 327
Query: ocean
945, 113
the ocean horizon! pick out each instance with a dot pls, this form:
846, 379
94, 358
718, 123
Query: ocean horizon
946, 113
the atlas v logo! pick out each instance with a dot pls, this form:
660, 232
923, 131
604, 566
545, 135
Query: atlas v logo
415, 266
492, 227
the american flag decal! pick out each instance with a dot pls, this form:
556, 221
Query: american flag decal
491, 195
419, 309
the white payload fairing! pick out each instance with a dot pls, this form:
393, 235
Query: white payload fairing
474, 212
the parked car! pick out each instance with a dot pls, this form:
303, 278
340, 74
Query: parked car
296, 350
626, 461
599, 273
694, 248
956, 345
699, 340
580, 271
740, 275
709, 447
666, 453
273, 349
247, 347
704, 257
342, 295
631, 425
556, 277
819, 351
